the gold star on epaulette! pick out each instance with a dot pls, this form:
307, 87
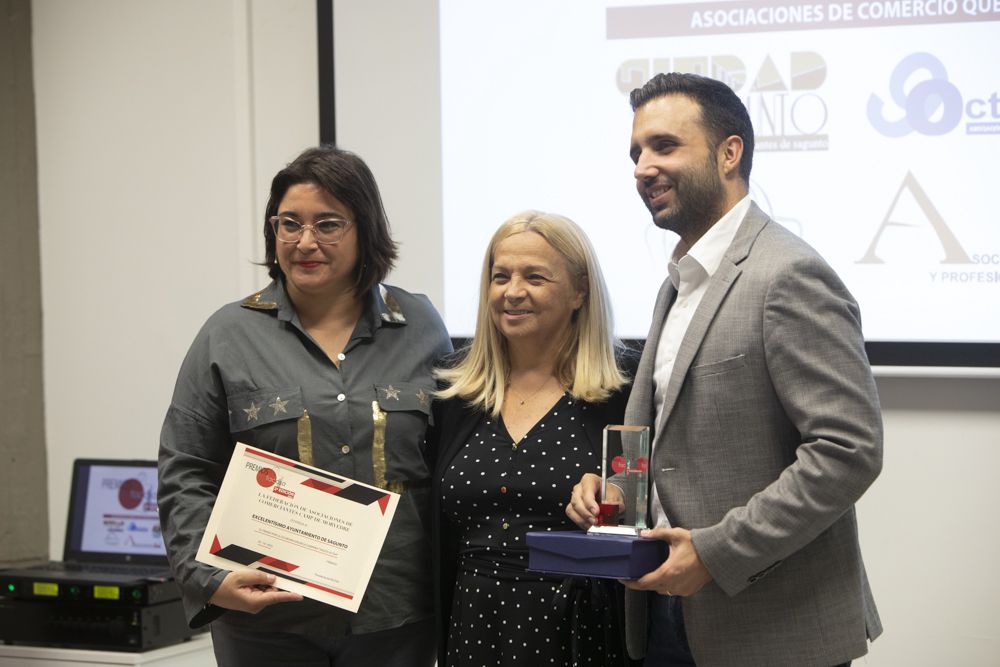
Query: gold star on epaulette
391, 392
252, 411
278, 405
423, 398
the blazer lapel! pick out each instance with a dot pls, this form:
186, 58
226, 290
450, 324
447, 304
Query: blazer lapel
719, 285
639, 409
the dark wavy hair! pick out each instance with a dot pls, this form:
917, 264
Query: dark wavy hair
722, 113
345, 176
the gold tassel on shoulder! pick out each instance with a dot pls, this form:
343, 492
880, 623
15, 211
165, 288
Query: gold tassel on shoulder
305, 439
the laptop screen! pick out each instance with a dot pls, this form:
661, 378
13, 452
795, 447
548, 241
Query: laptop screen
112, 513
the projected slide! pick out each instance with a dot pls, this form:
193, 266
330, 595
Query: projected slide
121, 512
877, 128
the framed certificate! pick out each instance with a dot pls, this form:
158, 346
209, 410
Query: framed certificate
318, 533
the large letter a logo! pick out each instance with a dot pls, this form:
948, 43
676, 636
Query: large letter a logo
953, 251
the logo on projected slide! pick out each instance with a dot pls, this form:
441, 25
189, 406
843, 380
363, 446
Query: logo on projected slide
782, 97
130, 493
925, 101
913, 220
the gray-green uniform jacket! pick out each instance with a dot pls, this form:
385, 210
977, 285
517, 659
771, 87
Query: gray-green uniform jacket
254, 375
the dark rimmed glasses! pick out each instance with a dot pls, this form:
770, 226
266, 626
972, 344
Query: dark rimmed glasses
329, 231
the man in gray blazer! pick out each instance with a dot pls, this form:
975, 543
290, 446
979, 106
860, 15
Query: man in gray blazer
766, 426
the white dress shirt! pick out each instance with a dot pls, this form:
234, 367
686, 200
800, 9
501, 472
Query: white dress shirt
689, 273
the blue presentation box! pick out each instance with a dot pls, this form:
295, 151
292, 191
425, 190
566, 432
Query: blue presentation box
576, 553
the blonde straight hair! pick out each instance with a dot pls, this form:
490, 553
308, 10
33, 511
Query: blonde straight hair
585, 362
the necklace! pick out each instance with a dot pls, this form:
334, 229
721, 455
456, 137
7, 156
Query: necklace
521, 400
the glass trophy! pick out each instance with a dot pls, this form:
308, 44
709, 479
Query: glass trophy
624, 480
613, 549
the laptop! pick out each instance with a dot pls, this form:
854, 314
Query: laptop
112, 527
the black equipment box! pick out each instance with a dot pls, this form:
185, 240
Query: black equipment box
85, 624
30, 585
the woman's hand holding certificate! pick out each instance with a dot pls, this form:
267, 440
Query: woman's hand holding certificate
250, 591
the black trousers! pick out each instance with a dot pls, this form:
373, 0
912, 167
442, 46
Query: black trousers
411, 645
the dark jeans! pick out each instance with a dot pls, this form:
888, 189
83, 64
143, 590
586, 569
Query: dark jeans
411, 645
668, 646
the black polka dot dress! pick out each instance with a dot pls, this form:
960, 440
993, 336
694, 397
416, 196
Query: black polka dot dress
494, 491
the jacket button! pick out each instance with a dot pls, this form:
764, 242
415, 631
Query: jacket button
346, 449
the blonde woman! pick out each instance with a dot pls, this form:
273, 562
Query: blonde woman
520, 419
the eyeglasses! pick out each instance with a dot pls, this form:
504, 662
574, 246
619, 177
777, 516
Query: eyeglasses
328, 232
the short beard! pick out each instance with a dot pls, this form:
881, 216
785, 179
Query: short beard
700, 196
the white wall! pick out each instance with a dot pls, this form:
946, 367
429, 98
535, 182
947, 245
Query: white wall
928, 524
388, 85
160, 124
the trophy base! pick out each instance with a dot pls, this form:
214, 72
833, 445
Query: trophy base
613, 530
606, 556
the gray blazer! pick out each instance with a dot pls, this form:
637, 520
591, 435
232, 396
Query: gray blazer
771, 432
